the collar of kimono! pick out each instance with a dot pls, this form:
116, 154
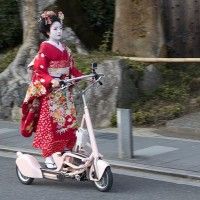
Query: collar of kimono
59, 45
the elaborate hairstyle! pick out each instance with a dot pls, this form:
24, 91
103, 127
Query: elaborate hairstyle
47, 18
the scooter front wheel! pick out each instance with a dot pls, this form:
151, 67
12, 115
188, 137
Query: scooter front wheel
23, 179
106, 181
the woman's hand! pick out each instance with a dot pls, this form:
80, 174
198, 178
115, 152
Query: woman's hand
55, 83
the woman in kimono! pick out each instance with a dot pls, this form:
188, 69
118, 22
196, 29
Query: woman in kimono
50, 115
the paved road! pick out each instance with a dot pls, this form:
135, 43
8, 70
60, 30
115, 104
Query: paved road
151, 150
125, 187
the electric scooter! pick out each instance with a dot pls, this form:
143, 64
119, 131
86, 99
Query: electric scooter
83, 163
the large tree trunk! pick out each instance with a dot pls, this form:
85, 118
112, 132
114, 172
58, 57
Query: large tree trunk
13, 80
137, 28
182, 26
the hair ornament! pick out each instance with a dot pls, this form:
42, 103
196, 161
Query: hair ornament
48, 14
61, 16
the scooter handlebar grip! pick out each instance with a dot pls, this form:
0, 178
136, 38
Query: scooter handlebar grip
100, 83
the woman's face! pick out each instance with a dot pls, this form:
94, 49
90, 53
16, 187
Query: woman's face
55, 31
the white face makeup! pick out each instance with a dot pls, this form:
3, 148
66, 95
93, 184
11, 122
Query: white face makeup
55, 31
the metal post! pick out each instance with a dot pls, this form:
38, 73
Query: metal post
125, 143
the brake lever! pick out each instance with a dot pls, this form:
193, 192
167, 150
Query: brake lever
62, 84
97, 77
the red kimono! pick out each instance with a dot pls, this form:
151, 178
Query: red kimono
50, 115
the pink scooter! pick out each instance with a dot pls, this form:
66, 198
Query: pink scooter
83, 163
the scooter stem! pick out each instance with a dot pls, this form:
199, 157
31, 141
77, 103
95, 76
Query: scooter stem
91, 133
90, 129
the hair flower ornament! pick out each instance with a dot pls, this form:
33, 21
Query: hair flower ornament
47, 16
61, 16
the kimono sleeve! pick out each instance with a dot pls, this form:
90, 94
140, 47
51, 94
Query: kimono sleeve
41, 65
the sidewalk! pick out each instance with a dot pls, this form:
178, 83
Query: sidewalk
153, 153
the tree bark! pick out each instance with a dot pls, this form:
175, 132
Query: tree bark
13, 80
138, 28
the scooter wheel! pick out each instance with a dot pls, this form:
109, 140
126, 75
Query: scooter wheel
23, 179
106, 181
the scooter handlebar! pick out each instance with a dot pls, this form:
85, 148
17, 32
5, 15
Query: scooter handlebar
96, 76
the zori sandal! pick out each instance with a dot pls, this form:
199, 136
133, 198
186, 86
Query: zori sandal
50, 165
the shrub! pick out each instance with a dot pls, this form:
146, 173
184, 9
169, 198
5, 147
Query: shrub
10, 26
7, 58
113, 120
171, 92
157, 115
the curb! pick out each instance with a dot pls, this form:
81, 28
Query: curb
183, 130
176, 173
117, 164
16, 149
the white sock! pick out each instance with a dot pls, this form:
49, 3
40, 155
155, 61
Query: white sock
49, 159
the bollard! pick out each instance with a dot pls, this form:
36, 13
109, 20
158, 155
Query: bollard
125, 143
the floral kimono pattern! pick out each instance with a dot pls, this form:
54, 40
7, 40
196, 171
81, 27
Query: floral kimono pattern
46, 112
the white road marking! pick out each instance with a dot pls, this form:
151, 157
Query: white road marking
7, 130
154, 150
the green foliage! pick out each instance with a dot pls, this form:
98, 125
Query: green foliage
198, 100
106, 43
195, 84
90, 20
170, 92
7, 58
113, 120
143, 117
10, 26
84, 62
180, 74
158, 114
171, 99
100, 15
138, 67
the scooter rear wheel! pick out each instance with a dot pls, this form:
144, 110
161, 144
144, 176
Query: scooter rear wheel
106, 181
23, 179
